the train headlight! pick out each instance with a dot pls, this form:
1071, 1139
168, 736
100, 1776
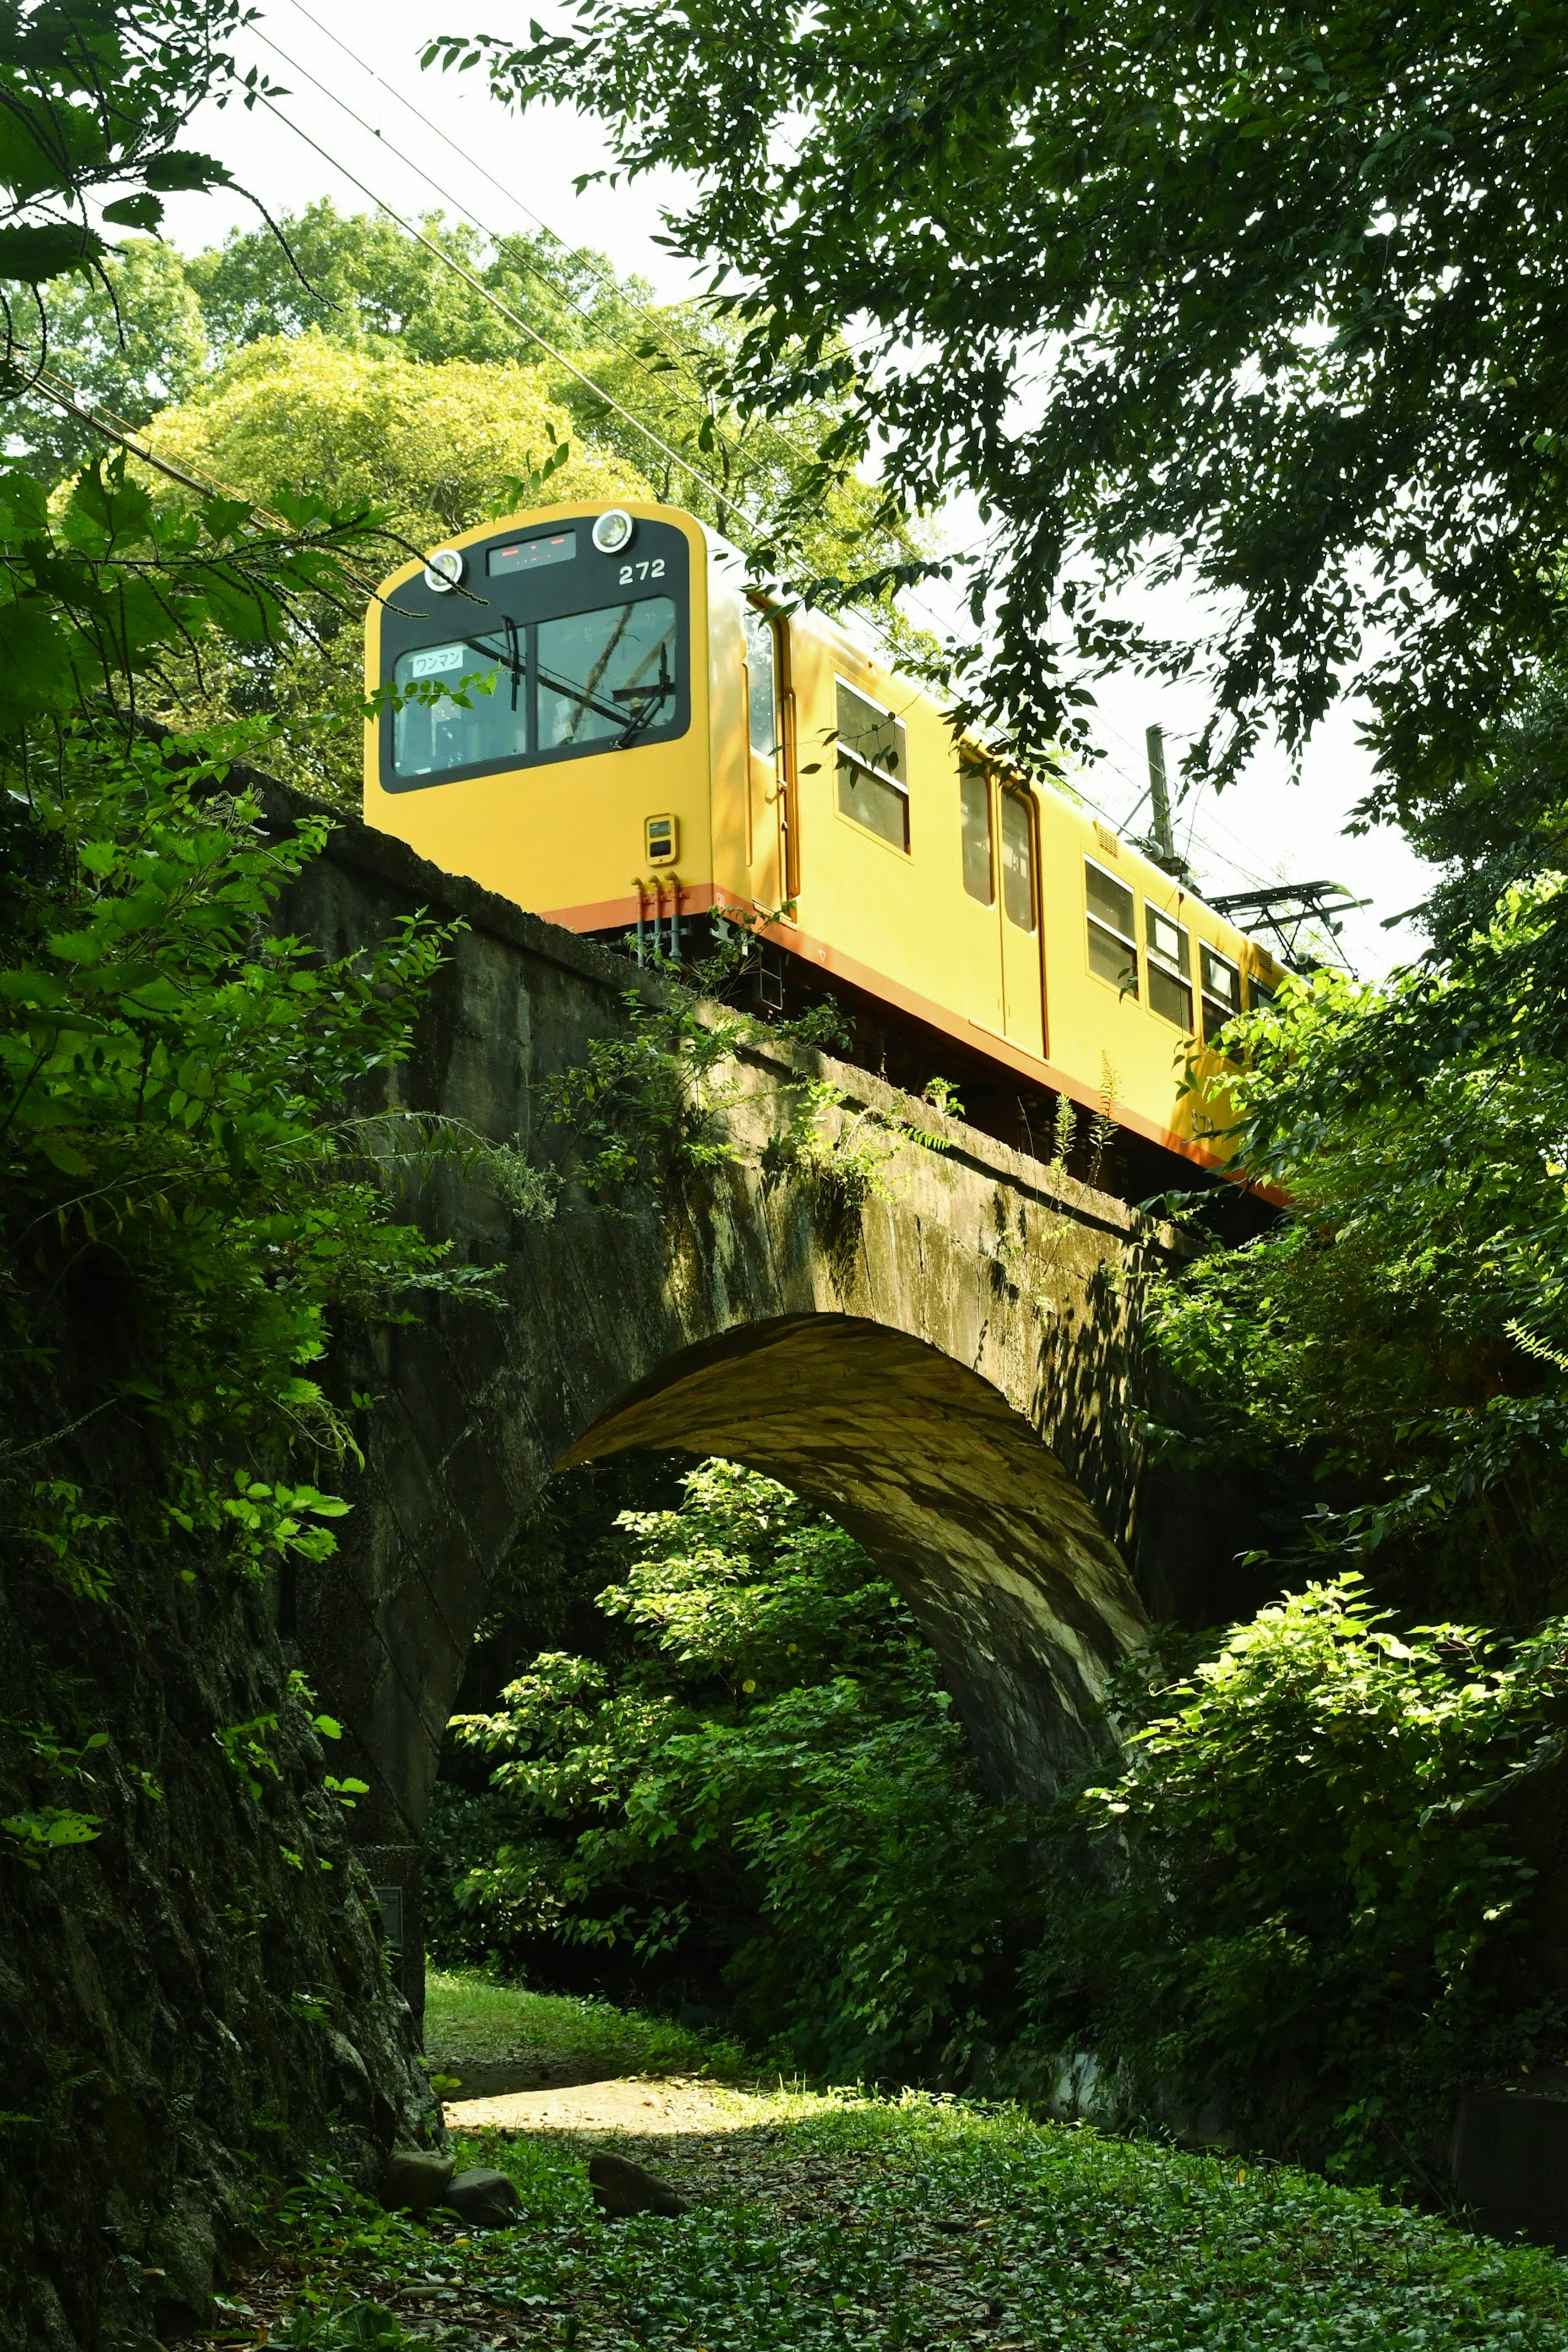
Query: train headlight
613, 532
444, 569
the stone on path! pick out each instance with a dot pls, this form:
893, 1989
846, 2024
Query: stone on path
621, 2188
415, 2179
486, 2199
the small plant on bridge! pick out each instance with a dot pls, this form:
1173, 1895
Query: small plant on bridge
648, 1104
849, 1161
645, 1104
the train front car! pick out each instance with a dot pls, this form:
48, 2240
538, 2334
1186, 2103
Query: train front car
547, 729
590, 715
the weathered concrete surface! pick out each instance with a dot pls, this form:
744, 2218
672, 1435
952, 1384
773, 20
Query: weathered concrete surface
952, 1369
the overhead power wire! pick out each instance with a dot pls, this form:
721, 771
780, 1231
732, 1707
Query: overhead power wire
726, 497
103, 420
602, 269
534, 269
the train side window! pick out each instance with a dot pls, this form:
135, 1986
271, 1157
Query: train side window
873, 786
762, 683
1221, 981
1169, 968
1018, 862
1258, 996
974, 818
1113, 941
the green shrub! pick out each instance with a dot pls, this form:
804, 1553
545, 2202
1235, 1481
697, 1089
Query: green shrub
770, 1810
1311, 1880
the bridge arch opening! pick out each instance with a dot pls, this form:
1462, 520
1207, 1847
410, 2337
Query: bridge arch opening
949, 1490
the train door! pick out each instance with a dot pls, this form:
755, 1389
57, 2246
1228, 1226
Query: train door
981, 915
767, 806
1023, 995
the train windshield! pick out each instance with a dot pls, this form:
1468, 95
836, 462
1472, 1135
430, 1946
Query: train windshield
529, 688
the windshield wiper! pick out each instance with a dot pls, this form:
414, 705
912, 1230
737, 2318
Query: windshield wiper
647, 697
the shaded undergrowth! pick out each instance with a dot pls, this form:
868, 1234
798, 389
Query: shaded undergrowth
821, 2223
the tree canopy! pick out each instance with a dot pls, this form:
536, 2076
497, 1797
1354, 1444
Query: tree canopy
152, 326
754, 1791
340, 356
1273, 303
437, 447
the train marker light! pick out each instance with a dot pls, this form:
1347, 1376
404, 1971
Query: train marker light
661, 840
444, 569
613, 532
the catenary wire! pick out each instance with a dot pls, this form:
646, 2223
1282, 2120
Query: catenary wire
532, 267
602, 269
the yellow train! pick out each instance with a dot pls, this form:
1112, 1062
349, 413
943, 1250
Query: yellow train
595, 718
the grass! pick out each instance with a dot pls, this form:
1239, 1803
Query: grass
847, 2223
472, 2020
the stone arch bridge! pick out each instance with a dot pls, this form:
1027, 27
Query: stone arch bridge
950, 1367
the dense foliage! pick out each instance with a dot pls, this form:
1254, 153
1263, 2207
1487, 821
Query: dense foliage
174, 1149
1271, 300
1313, 1881
1396, 1346
1337, 1844
185, 1203
94, 98
764, 1804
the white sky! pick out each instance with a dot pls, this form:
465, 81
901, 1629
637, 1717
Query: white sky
509, 176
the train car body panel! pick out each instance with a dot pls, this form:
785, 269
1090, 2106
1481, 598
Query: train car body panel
616, 740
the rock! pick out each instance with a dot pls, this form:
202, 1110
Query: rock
486, 2199
1510, 2154
415, 2179
620, 2187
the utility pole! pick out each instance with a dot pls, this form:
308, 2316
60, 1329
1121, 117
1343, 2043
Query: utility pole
1160, 801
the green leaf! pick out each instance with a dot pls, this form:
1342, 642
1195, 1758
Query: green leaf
143, 211
183, 168
35, 253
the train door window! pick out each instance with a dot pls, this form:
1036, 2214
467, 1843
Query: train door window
762, 683
1169, 968
605, 675
1221, 981
1112, 941
1258, 996
873, 776
975, 821
1018, 862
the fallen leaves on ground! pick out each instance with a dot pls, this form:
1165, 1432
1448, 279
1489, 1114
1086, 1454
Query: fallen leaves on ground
840, 2224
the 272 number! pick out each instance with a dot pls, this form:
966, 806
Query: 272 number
650, 570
